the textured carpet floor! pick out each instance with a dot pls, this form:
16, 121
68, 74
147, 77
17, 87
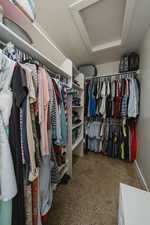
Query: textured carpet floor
91, 197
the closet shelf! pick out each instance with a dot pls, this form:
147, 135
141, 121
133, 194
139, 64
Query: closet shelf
64, 169
77, 142
77, 106
61, 167
8, 35
75, 86
77, 125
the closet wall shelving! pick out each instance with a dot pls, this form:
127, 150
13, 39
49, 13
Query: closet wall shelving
41, 40
44, 51
62, 67
8, 35
77, 144
77, 125
77, 106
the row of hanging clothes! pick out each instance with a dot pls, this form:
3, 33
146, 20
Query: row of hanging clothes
113, 138
33, 138
111, 110
115, 97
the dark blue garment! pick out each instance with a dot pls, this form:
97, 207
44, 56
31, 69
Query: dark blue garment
24, 134
92, 102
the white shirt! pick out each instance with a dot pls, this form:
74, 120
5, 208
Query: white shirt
8, 186
133, 99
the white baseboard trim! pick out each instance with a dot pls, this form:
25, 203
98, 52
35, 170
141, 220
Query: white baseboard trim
141, 176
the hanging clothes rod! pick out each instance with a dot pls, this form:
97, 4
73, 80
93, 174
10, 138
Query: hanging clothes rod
8, 35
112, 75
52, 73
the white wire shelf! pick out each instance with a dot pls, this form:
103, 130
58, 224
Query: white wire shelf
77, 125
75, 86
62, 170
77, 106
77, 142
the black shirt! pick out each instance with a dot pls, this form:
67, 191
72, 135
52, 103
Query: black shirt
19, 94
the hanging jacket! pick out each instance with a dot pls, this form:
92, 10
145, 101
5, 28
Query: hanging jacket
125, 97
92, 102
103, 104
133, 105
19, 94
117, 101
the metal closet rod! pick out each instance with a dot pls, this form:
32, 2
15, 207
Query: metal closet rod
112, 75
50, 72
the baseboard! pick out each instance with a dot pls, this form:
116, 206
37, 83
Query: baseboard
140, 174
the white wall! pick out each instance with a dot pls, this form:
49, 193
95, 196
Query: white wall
143, 131
108, 68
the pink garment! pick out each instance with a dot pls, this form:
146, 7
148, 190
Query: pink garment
43, 101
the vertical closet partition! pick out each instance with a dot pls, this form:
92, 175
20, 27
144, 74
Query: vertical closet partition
111, 111
78, 114
34, 132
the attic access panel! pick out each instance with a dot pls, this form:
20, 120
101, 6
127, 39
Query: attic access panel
104, 20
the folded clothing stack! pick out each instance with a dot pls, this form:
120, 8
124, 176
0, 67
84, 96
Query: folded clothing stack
75, 118
76, 101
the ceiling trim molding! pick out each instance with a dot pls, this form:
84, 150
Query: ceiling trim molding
111, 44
75, 10
129, 9
82, 4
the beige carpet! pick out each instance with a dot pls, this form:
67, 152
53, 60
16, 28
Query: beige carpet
91, 197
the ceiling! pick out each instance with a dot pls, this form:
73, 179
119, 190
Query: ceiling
94, 31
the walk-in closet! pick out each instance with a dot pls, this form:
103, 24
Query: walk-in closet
74, 112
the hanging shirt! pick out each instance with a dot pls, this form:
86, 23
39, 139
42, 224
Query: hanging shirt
46, 194
53, 112
86, 98
98, 97
117, 106
44, 99
108, 101
31, 98
57, 114
8, 188
103, 104
99, 86
19, 94
133, 105
113, 95
92, 101
125, 96
51, 91
63, 123
33, 92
